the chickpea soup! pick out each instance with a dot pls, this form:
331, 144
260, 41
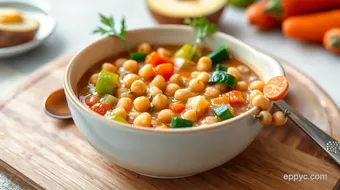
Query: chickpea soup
171, 86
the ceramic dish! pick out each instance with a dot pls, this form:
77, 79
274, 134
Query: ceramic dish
166, 153
47, 26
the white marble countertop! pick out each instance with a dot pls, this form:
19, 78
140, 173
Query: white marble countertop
77, 18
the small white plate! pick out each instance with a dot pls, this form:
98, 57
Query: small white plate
47, 26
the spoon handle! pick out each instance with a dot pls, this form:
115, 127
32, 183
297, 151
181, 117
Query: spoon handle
327, 143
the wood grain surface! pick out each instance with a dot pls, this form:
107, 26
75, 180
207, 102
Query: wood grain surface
39, 152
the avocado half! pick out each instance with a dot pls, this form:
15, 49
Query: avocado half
175, 11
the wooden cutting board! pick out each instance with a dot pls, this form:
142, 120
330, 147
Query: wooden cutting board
40, 152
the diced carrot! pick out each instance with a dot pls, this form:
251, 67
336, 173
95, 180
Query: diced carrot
155, 59
177, 107
235, 97
220, 100
166, 70
91, 100
101, 108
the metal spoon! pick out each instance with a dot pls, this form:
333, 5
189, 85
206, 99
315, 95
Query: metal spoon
326, 142
55, 105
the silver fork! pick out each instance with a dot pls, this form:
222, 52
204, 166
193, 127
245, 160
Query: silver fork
326, 142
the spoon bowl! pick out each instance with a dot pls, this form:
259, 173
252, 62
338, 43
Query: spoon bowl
55, 105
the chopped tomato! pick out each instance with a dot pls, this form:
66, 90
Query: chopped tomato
155, 59
276, 88
177, 107
220, 100
166, 70
91, 100
235, 97
101, 108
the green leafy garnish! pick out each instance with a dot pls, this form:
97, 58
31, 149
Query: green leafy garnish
202, 28
108, 29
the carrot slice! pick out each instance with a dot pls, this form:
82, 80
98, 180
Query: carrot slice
91, 100
235, 97
166, 70
276, 88
177, 107
220, 100
101, 108
155, 59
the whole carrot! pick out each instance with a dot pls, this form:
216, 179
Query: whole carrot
287, 8
331, 40
311, 27
256, 16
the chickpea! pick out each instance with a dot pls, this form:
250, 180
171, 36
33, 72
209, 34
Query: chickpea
124, 92
194, 74
183, 95
204, 64
261, 102
119, 62
256, 85
265, 118
160, 101
177, 79
109, 67
210, 120
143, 120
141, 104
253, 94
212, 92
144, 48
279, 118
120, 112
159, 82
221, 87
243, 69
125, 103
138, 88
131, 66
171, 88
153, 91
94, 78
190, 115
147, 71
241, 86
164, 52
233, 71
165, 116
196, 85
204, 77
129, 79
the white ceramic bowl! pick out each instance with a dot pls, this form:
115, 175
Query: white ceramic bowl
165, 153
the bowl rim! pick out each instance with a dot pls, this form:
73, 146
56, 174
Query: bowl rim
75, 100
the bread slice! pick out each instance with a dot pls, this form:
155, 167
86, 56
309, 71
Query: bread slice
15, 28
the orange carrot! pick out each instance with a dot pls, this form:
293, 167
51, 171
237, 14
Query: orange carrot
311, 27
276, 88
256, 16
155, 59
235, 97
220, 100
286, 8
166, 70
177, 107
331, 40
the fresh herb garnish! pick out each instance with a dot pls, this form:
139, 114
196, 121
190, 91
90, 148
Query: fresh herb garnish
202, 28
107, 28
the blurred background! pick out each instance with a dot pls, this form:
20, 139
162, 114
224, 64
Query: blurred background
77, 18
